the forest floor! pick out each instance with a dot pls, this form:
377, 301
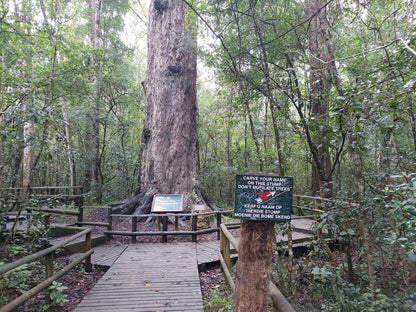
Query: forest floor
78, 282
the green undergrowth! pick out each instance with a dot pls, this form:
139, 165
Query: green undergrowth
218, 301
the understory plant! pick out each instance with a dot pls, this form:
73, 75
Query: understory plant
342, 295
56, 296
218, 301
19, 280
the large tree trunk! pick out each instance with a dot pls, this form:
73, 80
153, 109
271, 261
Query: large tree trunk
169, 150
321, 68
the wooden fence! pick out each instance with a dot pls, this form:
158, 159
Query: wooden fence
307, 206
47, 255
164, 219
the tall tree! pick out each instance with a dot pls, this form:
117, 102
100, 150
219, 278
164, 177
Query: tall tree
321, 81
92, 148
169, 146
25, 15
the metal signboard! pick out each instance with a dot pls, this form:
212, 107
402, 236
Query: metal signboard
263, 198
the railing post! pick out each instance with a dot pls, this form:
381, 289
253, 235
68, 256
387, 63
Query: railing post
158, 223
194, 220
218, 224
109, 221
88, 266
80, 204
80, 215
176, 223
134, 229
165, 229
225, 249
48, 273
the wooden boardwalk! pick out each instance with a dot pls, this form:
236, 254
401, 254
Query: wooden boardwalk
159, 277
149, 277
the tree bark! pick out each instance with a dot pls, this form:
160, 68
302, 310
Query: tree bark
28, 130
253, 274
92, 148
268, 86
71, 158
321, 67
2, 171
169, 148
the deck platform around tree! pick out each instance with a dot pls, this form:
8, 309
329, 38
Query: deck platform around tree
149, 277
206, 251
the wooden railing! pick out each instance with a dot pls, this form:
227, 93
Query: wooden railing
228, 246
314, 207
163, 218
306, 206
13, 195
47, 255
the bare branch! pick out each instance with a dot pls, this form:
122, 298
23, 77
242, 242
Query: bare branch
406, 46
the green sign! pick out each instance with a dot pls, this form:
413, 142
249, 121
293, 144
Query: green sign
263, 198
167, 203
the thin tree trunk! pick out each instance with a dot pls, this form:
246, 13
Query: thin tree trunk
92, 148
28, 127
365, 238
71, 159
268, 87
254, 135
28, 131
364, 233
2, 171
413, 123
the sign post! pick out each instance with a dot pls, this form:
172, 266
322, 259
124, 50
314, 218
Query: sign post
163, 203
260, 201
263, 198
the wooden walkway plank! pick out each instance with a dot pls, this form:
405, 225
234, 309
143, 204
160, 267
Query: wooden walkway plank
207, 252
151, 278
104, 255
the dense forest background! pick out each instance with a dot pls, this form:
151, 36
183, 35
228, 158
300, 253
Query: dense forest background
72, 101
323, 91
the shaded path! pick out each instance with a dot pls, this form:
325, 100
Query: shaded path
149, 277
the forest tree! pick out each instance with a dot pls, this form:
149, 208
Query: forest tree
169, 160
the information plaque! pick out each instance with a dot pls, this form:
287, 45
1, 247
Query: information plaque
263, 198
167, 203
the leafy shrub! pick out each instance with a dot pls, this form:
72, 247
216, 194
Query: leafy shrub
402, 210
218, 301
16, 281
343, 296
56, 296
